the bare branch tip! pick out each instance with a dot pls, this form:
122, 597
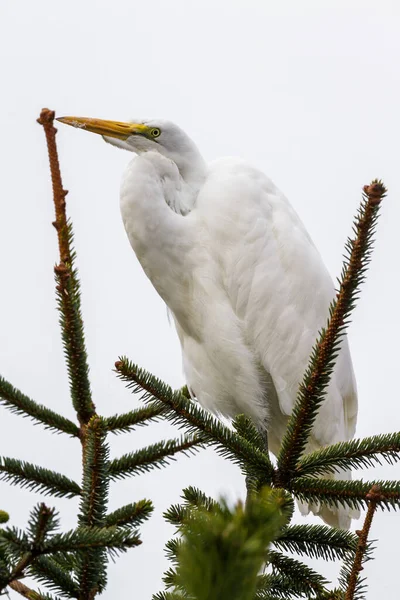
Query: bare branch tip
46, 117
375, 191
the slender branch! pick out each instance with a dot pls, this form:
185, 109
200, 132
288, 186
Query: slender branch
20, 404
314, 385
182, 411
373, 498
68, 286
44, 516
23, 589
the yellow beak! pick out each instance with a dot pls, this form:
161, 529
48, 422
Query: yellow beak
114, 129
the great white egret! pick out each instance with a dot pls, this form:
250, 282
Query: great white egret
245, 284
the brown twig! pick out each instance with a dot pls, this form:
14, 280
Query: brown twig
374, 193
373, 497
68, 285
23, 589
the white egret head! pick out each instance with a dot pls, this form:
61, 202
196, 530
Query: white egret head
160, 136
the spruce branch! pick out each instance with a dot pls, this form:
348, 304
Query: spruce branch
355, 454
345, 493
302, 579
316, 379
182, 411
42, 521
131, 514
141, 416
36, 478
316, 541
47, 571
351, 575
20, 404
68, 287
154, 456
91, 571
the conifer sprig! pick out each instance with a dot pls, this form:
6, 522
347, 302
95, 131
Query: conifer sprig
317, 541
37, 478
154, 456
139, 417
131, 515
182, 411
355, 454
20, 404
316, 379
68, 287
351, 494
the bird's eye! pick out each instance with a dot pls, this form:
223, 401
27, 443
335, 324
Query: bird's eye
155, 132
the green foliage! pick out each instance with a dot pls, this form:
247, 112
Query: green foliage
141, 416
37, 478
154, 456
357, 454
130, 515
313, 388
223, 549
184, 412
317, 541
21, 405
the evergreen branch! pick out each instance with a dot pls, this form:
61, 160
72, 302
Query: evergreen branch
355, 585
345, 493
46, 570
316, 541
271, 586
141, 416
68, 287
355, 454
91, 570
42, 521
83, 538
316, 379
36, 478
182, 411
247, 430
154, 456
302, 579
20, 404
130, 514
196, 498
176, 514
172, 547
175, 595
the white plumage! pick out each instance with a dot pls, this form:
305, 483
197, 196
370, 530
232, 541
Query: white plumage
245, 284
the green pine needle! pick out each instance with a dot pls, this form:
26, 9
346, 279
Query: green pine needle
20, 404
313, 388
141, 416
317, 541
184, 412
355, 454
69, 306
37, 478
131, 514
155, 456
345, 493
47, 571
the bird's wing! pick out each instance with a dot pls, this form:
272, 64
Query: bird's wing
277, 285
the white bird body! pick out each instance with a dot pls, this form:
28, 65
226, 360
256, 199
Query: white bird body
245, 284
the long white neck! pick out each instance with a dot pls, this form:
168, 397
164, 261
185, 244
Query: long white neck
154, 198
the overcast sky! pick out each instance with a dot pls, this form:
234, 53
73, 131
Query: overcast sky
307, 91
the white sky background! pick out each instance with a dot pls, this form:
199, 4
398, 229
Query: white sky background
309, 92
